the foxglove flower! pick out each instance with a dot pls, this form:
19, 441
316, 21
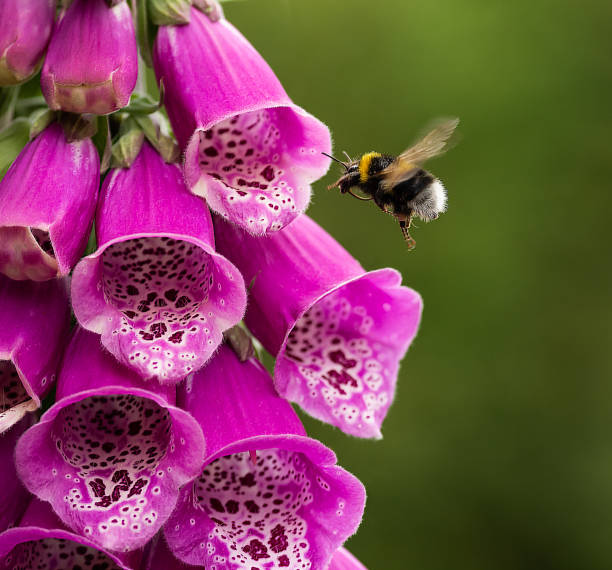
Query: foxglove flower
249, 150
338, 331
41, 541
92, 61
155, 289
47, 202
344, 560
110, 454
14, 495
268, 496
34, 324
24, 34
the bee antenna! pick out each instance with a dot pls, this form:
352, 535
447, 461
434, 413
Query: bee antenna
334, 158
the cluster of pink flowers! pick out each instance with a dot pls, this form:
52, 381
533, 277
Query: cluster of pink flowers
164, 445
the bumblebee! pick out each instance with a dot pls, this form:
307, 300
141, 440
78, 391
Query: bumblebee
399, 185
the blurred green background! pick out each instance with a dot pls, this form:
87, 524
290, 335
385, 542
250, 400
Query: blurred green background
497, 453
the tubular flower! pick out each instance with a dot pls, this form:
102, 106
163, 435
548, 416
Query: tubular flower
34, 324
14, 495
24, 34
268, 496
110, 454
42, 541
344, 560
47, 202
155, 289
92, 61
249, 150
338, 331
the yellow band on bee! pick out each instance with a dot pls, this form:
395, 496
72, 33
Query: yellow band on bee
364, 165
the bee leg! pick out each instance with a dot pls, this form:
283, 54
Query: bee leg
404, 223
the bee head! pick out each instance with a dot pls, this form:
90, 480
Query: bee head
430, 202
348, 180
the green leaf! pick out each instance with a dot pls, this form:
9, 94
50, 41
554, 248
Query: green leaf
12, 139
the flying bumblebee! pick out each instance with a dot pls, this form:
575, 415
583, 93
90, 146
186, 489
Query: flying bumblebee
398, 185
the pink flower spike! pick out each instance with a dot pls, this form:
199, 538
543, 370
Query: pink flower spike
24, 34
111, 454
47, 203
344, 560
155, 289
42, 541
34, 325
338, 331
14, 495
292, 509
92, 61
249, 150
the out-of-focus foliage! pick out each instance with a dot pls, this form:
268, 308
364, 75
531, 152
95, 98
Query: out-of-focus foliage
498, 450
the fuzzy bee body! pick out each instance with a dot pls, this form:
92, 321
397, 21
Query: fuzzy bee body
399, 185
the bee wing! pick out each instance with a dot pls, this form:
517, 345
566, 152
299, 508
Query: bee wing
434, 143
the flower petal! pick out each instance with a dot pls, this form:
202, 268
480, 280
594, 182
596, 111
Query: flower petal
338, 331
34, 325
14, 494
268, 495
110, 454
42, 541
47, 203
251, 152
155, 289
92, 61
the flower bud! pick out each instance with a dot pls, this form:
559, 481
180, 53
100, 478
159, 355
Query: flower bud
92, 62
24, 35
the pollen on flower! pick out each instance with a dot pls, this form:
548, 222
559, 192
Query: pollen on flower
56, 553
256, 186
162, 287
332, 356
260, 510
112, 447
12, 390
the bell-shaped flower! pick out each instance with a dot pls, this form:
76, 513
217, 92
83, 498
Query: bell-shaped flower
47, 203
34, 326
14, 495
344, 560
92, 60
249, 150
338, 332
41, 541
155, 289
268, 496
111, 454
24, 35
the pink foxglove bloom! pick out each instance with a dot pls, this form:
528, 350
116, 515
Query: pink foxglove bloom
14, 495
92, 61
268, 496
249, 150
41, 541
24, 34
111, 453
47, 203
34, 325
344, 560
338, 331
155, 289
